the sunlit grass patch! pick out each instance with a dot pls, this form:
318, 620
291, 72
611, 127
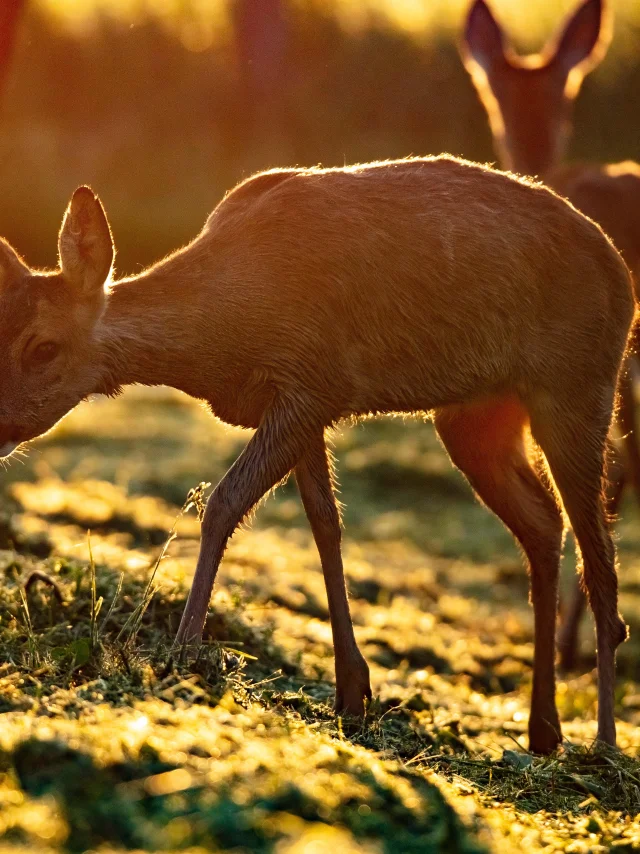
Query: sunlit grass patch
229, 777
137, 749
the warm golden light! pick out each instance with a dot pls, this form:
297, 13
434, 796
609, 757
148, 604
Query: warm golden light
528, 21
79, 14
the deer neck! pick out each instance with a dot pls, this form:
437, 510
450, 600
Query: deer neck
158, 329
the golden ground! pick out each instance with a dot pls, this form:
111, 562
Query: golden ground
110, 743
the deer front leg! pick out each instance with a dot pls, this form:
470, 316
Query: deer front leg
314, 476
268, 458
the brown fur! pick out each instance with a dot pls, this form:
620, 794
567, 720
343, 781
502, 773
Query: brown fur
411, 286
529, 101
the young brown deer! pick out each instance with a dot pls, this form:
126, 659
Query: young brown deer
529, 102
426, 285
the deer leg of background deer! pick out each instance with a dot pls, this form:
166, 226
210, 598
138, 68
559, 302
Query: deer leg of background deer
268, 458
568, 636
629, 428
315, 479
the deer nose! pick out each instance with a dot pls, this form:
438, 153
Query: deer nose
9, 438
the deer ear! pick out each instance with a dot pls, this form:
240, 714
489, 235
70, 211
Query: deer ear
85, 246
584, 39
11, 264
482, 40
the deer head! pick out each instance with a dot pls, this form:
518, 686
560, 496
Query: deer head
49, 324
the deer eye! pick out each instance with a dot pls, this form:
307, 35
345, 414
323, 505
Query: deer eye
44, 352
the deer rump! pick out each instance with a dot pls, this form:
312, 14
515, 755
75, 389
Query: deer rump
414, 284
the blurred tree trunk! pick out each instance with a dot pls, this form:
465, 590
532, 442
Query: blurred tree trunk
10, 14
261, 41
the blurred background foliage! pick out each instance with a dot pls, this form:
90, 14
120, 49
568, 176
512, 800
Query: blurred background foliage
162, 105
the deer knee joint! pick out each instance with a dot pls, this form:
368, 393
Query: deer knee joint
220, 516
621, 631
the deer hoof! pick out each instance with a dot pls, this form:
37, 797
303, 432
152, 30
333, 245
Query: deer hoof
544, 737
353, 689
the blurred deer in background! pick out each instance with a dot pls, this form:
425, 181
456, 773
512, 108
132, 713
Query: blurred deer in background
311, 296
529, 101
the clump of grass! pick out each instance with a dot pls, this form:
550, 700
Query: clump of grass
114, 601
129, 631
33, 654
96, 603
575, 779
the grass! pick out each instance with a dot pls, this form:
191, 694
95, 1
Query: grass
113, 741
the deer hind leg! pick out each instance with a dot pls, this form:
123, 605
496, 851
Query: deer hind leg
487, 442
569, 632
315, 479
572, 434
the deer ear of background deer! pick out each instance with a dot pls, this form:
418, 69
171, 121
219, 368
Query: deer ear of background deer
85, 246
482, 40
583, 41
